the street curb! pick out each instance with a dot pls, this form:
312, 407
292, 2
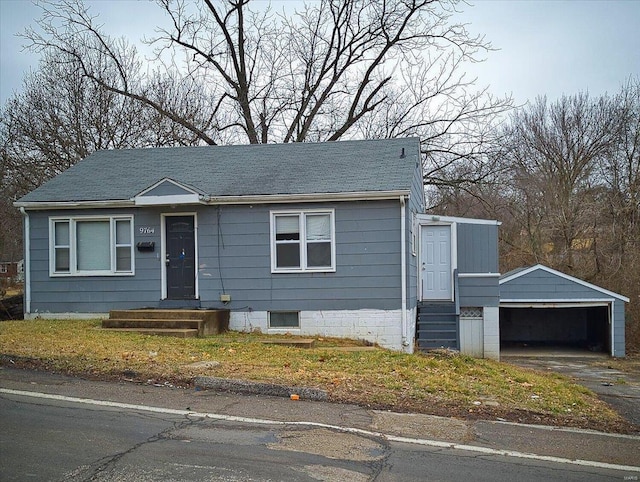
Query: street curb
257, 388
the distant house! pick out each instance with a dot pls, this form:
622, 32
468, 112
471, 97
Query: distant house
11, 270
318, 239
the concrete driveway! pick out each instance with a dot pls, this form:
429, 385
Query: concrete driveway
621, 390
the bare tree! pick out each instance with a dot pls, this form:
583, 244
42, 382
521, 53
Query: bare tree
59, 118
336, 69
554, 151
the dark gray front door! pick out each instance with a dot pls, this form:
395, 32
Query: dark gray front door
181, 258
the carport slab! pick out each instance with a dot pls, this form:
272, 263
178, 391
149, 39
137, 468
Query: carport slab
550, 351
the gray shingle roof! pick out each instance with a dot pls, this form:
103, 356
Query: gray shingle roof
247, 170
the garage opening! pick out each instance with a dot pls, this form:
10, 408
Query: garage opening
571, 328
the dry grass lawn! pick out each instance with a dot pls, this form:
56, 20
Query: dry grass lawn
440, 384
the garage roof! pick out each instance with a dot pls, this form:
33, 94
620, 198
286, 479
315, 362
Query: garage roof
544, 283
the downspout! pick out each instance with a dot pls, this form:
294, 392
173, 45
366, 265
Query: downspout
27, 262
403, 271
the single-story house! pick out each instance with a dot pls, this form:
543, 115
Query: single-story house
540, 307
325, 239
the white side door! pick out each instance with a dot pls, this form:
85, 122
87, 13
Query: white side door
435, 256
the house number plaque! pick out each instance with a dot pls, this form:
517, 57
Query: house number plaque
146, 230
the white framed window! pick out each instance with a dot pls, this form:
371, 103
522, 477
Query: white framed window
3, 269
303, 241
284, 320
91, 246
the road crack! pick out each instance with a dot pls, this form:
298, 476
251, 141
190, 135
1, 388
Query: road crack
102, 468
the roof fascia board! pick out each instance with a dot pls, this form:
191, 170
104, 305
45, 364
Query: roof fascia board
570, 303
216, 200
74, 204
565, 276
428, 218
307, 198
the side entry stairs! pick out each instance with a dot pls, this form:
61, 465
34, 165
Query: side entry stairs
438, 326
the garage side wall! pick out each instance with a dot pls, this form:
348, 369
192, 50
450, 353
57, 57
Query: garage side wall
618, 328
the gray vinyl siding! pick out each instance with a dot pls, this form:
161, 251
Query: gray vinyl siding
477, 248
481, 291
367, 260
236, 254
415, 206
618, 328
542, 285
94, 294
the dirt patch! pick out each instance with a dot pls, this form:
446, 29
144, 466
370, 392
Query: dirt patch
321, 441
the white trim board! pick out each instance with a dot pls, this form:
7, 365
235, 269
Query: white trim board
434, 218
478, 275
567, 277
586, 303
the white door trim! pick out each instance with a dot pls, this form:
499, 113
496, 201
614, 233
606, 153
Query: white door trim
453, 252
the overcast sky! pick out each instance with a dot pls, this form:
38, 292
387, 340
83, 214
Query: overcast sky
545, 47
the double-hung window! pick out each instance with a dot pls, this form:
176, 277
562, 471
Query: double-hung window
91, 246
302, 241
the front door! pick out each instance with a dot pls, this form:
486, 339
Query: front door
180, 257
435, 257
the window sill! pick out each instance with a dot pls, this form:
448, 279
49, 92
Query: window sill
298, 271
94, 274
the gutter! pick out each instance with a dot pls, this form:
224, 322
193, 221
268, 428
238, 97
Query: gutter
27, 262
403, 271
220, 200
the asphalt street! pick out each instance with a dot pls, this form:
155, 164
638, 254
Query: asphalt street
59, 428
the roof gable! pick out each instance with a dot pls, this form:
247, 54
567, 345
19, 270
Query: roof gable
166, 187
523, 272
259, 170
167, 191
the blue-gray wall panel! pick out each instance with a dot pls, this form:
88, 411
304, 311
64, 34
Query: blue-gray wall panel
367, 261
618, 328
236, 253
543, 285
480, 291
477, 248
414, 206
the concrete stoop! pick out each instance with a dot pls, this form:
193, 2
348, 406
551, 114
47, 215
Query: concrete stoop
178, 323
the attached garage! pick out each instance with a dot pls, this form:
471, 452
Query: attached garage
543, 308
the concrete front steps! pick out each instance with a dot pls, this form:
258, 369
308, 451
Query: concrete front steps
178, 323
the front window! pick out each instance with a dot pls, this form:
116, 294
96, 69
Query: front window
86, 246
302, 241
